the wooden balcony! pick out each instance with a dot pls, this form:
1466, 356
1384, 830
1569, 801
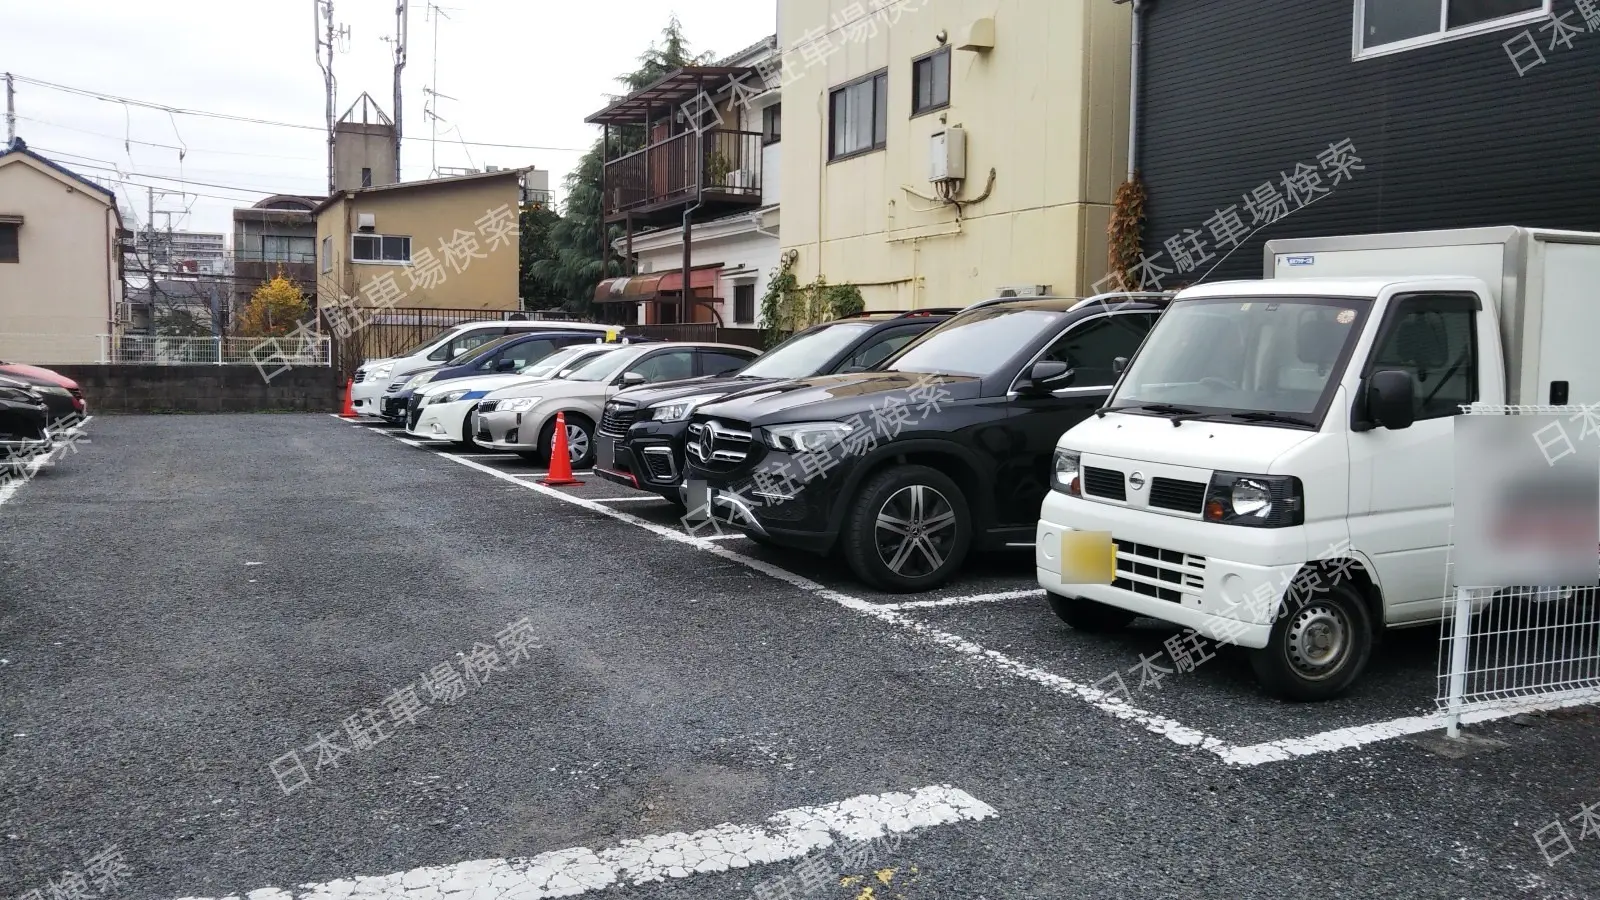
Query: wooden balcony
719, 167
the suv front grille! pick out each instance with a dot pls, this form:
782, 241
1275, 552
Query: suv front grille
617, 417
1107, 483
1183, 496
718, 442
1156, 572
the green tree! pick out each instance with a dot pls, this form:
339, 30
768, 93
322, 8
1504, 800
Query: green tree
573, 261
535, 228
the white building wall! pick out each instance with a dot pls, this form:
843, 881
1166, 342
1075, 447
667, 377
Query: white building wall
746, 257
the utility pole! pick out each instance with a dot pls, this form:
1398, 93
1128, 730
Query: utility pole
402, 17
11, 110
322, 19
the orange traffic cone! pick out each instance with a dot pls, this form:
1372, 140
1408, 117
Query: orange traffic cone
560, 474
349, 408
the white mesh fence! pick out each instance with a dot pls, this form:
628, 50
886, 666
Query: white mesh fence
1509, 645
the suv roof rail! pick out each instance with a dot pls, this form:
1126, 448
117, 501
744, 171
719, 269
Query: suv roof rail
933, 311
1124, 296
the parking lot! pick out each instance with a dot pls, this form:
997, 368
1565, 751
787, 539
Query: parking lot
186, 600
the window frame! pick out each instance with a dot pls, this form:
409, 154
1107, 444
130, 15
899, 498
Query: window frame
1399, 306
1153, 315
15, 229
380, 261
327, 254
770, 116
737, 301
1359, 51
878, 116
927, 57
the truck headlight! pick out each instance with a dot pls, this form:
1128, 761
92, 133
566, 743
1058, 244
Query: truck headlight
1260, 501
1064, 471
805, 436
678, 410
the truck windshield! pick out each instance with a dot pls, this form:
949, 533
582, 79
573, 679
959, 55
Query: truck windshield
1267, 359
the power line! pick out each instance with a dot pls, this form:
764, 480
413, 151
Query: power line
173, 110
122, 174
128, 140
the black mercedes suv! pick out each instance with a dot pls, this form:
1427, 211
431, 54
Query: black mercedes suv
641, 433
944, 448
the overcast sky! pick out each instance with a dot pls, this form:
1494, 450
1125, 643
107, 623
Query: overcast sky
523, 72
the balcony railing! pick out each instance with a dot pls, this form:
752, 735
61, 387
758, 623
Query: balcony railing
727, 166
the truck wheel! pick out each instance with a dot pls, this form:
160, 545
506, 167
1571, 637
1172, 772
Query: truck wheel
909, 530
1089, 615
1319, 645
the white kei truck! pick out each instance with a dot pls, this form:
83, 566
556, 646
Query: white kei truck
1298, 431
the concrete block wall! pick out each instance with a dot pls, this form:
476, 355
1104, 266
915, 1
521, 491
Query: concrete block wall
204, 389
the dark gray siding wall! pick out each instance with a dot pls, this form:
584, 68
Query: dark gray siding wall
1238, 91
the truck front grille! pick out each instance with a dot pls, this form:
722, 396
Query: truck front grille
1182, 496
1107, 483
1157, 572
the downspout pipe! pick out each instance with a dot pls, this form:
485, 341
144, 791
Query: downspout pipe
1135, 79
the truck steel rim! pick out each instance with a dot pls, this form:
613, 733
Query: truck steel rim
915, 531
1318, 642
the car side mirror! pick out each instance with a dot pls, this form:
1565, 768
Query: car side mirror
1391, 399
850, 369
506, 365
1119, 365
632, 379
1047, 376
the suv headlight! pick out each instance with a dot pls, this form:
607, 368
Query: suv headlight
805, 436
1259, 501
418, 381
519, 404
678, 410
1064, 472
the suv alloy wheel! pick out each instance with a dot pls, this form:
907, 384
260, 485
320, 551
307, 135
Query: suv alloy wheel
908, 530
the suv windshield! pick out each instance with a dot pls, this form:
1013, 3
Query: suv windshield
802, 355
1231, 355
605, 365
977, 343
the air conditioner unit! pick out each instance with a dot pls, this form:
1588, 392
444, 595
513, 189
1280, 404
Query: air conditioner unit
1024, 290
366, 222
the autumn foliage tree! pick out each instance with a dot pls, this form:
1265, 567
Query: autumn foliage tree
274, 310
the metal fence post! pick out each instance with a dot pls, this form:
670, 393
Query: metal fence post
1458, 660
219, 349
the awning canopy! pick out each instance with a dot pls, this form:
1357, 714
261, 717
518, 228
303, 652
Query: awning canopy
668, 92
633, 288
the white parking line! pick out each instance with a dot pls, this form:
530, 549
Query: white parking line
650, 499
962, 601
787, 835
1105, 701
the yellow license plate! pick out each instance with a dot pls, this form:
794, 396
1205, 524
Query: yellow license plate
1088, 557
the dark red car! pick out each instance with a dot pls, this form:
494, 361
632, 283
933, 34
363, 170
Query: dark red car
61, 393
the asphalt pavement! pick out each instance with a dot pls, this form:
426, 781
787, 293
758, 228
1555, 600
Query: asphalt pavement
291, 652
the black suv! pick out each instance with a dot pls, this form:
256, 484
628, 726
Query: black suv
943, 448
641, 433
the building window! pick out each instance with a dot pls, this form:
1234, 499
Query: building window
744, 303
858, 116
288, 248
10, 241
327, 254
366, 178
772, 124
380, 248
930, 82
1384, 26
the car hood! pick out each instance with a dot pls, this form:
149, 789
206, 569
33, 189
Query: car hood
834, 397
472, 383
595, 390
1231, 446
37, 375
694, 387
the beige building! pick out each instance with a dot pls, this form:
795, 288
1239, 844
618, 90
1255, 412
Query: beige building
954, 148
447, 243
60, 262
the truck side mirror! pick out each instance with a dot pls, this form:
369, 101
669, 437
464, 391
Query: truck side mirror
1119, 365
1391, 399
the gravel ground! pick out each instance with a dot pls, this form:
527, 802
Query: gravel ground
187, 599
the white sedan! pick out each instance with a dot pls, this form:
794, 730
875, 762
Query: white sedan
445, 411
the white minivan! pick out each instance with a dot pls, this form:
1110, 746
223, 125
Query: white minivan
366, 394
1298, 431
